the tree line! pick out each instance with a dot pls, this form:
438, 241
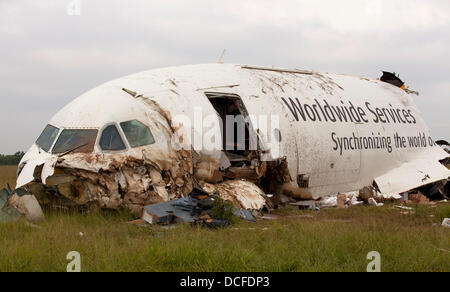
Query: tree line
11, 159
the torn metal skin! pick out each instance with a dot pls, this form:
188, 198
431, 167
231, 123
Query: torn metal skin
136, 178
241, 193
131, 180
122, 181
446, 146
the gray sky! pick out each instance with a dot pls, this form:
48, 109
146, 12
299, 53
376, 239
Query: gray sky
49, 57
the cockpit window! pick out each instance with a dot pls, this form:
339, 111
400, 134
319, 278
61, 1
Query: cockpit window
47, 137
111, 140
137, 133
76, 141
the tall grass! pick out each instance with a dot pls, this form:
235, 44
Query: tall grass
329, 240
8, 176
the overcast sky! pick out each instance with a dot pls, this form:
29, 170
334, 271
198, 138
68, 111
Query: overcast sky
48, 56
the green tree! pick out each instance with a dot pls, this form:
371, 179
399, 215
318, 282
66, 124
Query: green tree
11, 159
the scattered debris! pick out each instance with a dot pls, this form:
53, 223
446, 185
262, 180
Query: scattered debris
306, 205
438, 190
403, 208
366, 193
33, 225
350, 199
387, 197
244, 214
446, 223
197, 208
341, 200
138, 222
405, 196
28, 207
269, 217
374, 203
419, 198
285, 199
328, 202
243, 194
280, 200
339, 221
17, 204
306, 216
7, 213
355, 202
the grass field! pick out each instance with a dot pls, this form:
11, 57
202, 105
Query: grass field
329, 240
7, 176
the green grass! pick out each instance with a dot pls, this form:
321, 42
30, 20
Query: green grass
329, 240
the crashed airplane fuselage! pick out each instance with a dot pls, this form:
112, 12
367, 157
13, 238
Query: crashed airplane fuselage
152, 136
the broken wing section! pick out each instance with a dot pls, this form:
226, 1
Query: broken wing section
421, 171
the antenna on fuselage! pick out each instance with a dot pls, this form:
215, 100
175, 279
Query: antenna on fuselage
222, 57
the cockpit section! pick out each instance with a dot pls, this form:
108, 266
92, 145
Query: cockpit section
75, 141
47, 138
114, 137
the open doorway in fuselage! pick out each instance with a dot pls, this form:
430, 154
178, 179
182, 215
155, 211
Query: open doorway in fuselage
239, 141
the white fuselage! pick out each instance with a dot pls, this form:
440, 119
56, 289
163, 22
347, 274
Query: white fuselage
337, 133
